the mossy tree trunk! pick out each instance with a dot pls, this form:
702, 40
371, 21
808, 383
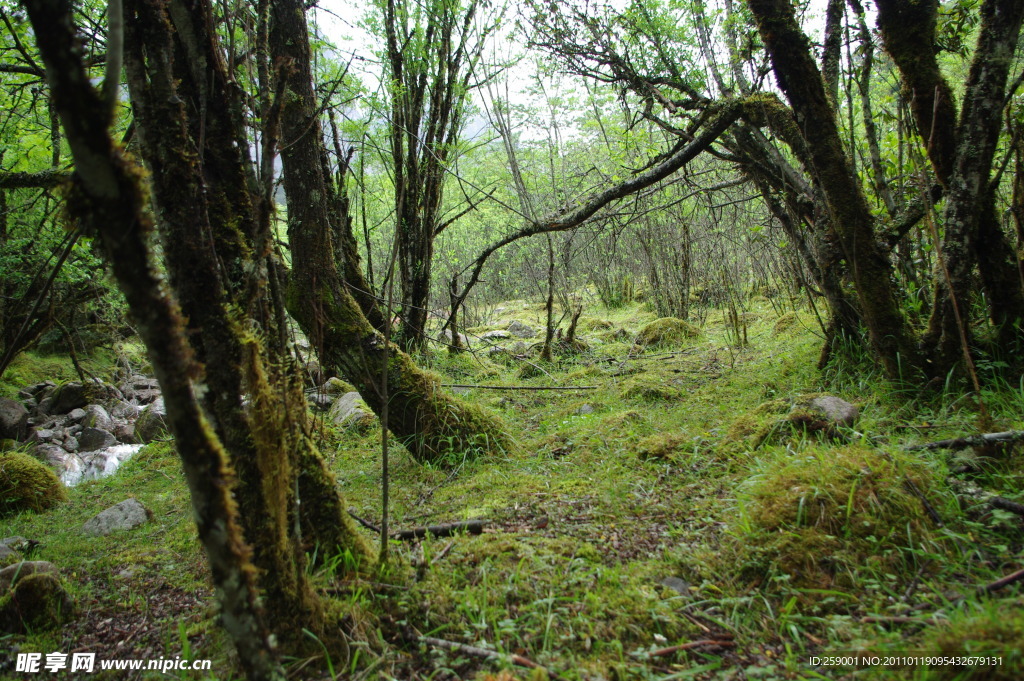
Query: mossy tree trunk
108, 198
849, 215
430, 423
961, 155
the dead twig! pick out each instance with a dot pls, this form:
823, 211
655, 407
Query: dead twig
521, 387
488, 654
1000, 583
971, 441
443, 530
705, 643
1007, 505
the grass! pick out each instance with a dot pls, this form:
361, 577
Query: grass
626, 522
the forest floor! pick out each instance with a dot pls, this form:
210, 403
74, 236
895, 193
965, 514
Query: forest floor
659, 521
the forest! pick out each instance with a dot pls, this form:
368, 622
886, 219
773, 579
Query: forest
537, 340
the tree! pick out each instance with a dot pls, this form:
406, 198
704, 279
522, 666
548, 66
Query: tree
233, 393
432, 51
430, 423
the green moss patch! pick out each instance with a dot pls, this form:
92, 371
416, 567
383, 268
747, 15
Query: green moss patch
27, 484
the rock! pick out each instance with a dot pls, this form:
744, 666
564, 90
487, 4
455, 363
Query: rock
43, 435
76, 415
37, 388
497, 350
15, 542
519, 348
95, 439
11, 574
13, 419
447, 336
520, 330
152, 423
49, 453
44, 407
27, 484
349, 411
336, 386
124, 432
38, 602
585, 409
97, 417
496, 335
125, 410
75, 395
70, 444
835, 409
147, 396
123, 516
8, 556
319, 400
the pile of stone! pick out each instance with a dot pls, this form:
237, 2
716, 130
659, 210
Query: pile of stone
84, 430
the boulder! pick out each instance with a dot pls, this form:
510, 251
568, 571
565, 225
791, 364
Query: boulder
123, 516
152, 423
95, 439
520, 330
27, 484
11, 574
124, 432
75, 395
13, 419
76, 415
496, 335
97, 417
336, 386
8, 556
463, 338
70, 443
36, 388
349, 411
835, 409
38, 602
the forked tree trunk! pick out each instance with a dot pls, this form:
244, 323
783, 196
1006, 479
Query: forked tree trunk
430, 423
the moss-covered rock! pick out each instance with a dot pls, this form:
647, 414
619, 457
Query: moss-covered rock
661, 446
38, 602
666, 331
773, 421
650, 391
27, 484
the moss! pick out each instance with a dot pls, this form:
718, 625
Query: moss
822, 516
996, 630
661, 446
666, 331
27, 484
648, 390
38, 602
784, 323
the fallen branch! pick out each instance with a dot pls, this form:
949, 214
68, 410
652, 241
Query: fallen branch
487, 654
521, 387
1007, 505
929, 509
971, 441
1000, 583
691, 645
443, 530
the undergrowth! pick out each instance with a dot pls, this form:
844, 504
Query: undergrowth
626, 521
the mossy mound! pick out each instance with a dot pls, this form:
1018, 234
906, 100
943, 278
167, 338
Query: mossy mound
822, 516
37, 602
784, 323
591, 324
649, 391
775, 421
26, 484
661, 446
996, 631
666, 331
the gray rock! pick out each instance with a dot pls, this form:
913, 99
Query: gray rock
13, 419
124, 410
10, 575
8, 555
70, 443
520, 330
463, 338
319, 400
95, 439
15, 541
44, 407
519, 348
147, 396
36, 388
49, 453
349, 410
496, 335
835, 409
585, 409
124, 432
124, 516
76, 415
152, 423
97, 417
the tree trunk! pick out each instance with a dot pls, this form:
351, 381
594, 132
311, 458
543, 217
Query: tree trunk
431, 424
108, 199
849, 215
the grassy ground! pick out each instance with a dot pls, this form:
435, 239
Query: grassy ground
658, 509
